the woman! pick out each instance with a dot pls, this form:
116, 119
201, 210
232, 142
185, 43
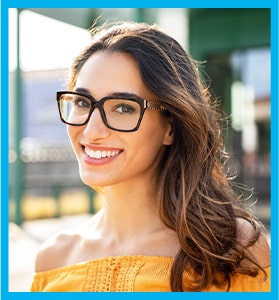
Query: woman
145, 135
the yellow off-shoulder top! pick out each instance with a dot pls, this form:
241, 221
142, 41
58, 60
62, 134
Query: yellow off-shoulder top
129, 274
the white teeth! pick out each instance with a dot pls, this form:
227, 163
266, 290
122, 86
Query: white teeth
97, 154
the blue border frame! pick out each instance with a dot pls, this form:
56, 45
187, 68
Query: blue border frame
273, 4
1, 147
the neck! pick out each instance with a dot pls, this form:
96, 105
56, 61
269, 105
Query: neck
129, 223
130, 211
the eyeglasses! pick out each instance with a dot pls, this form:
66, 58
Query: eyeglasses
121, 112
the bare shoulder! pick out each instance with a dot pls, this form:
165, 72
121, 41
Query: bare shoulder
55, 252
58, 251
260, 250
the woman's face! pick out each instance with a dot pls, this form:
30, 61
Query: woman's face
107, 157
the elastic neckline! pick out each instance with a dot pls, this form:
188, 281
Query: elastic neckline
110, 259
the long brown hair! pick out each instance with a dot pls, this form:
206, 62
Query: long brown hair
195, 195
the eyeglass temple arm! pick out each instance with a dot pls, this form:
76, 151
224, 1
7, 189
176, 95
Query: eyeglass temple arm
154, 105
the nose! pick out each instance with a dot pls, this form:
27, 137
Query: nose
95, 128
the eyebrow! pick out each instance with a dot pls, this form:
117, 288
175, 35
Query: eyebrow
117, 94
82, 90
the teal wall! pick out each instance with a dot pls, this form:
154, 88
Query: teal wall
224, 30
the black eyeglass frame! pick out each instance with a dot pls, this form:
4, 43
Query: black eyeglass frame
144, 104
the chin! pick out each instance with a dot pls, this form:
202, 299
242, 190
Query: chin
95, 181
90, 182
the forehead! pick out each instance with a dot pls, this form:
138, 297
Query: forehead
107, 72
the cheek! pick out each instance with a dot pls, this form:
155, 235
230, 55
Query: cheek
150, 139
73, 132
157, 129
70, 132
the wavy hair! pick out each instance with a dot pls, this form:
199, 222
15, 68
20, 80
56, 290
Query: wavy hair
196, 197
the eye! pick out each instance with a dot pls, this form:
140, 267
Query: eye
124, 108
121, 107
81, 102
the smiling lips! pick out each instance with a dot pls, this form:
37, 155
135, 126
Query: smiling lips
101, 154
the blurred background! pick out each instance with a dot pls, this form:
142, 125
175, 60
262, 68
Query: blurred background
45, 191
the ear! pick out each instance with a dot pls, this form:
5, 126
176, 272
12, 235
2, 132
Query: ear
168, 137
